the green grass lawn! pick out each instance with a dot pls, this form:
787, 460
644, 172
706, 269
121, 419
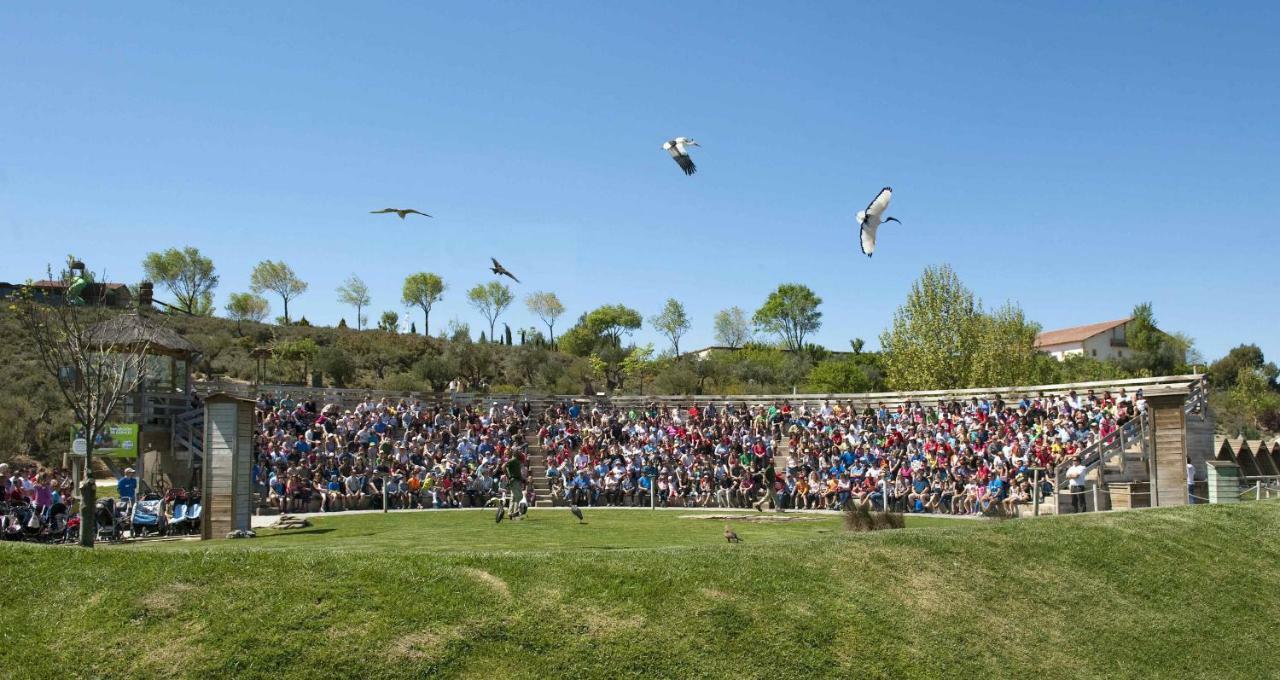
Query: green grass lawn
547, 530
1187, 592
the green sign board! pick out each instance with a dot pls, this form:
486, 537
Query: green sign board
115, 441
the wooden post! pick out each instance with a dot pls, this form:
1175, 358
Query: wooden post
1169, 456
384, 493
1095, 497
1035, 491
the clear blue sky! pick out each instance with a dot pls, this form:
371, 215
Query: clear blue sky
1075, 157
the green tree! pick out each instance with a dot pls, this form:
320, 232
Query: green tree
458, 331
333, 362
1253, 399
247, 307
933, 336
423, 290
732, 329
791, 313
545, 306
435, 370
300, 351
1142, 335
278, 278
389, 321
839, 376
638, 365
672, 322
189, 276
612, 322
355, 293
1004, 352
490, 299
1224, 372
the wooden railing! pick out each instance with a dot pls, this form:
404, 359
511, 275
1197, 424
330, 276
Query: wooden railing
1116, 444
1180, 384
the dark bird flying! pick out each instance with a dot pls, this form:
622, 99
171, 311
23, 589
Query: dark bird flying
399, 211
500, 270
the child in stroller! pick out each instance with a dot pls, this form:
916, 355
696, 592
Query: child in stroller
148, 516
108, 519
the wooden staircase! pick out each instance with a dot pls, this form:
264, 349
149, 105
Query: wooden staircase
537, 467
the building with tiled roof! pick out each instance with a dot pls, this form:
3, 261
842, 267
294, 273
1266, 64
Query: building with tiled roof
1102, 341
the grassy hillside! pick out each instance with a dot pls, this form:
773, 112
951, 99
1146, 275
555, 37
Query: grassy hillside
1187, 592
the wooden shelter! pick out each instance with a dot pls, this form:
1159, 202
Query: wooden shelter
164, 395
227, 493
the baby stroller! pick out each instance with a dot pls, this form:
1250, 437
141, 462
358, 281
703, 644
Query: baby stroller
107, 518
55, 530
148, 516
22, 522
179, 519
13, 519
193, 515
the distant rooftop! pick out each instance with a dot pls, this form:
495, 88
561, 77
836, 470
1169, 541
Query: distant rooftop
1077, 333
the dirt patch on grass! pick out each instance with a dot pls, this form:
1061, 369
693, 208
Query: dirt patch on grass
602, 623
421, 644
714, 594
166, 598
166, 657
499, 586
758, 517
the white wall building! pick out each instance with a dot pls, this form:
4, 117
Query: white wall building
1101, 341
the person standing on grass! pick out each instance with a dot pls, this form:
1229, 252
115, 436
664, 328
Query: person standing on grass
769, 478
515, 482
1075, 484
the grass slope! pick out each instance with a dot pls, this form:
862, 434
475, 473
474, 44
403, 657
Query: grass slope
1188, 592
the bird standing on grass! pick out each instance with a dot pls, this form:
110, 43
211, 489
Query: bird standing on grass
729, 535
500, 270
577, 512
679, 150
870, 219
399, 211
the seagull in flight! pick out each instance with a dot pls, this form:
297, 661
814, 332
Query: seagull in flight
500, 270
679, 150
871, 219
399, 211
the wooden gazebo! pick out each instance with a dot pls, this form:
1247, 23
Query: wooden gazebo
164, 396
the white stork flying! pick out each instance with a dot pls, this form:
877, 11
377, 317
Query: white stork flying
679, 150
870, 219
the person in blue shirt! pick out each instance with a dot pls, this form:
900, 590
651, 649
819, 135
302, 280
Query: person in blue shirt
127, 486
645, 484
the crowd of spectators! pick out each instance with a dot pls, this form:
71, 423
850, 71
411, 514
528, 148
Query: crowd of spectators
311, 458
954, 457
950, 457
41, 489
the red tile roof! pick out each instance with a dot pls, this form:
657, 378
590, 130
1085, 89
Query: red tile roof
1077, 333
